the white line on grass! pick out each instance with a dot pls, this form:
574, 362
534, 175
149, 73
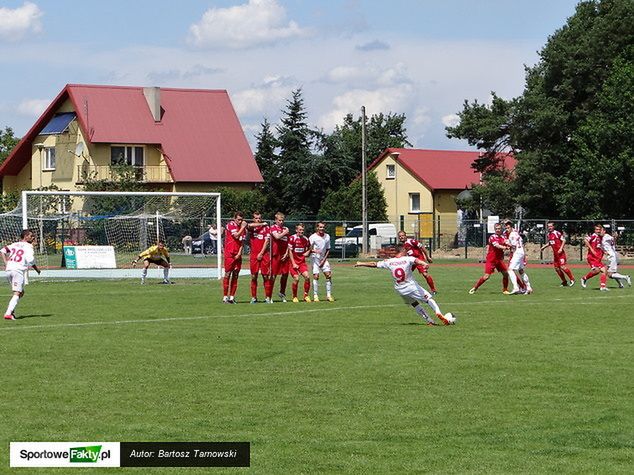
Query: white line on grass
180, 319
597, 301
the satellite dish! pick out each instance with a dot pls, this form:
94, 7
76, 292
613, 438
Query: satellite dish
79, 149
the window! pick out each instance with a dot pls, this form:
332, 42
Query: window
126, 155
48, 158
414, 202
390, 172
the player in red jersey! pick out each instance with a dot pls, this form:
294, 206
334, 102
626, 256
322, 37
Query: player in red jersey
299, 248
595, 257
557, 241
259, 258
280, 261
416, 249
234, 237
495, 257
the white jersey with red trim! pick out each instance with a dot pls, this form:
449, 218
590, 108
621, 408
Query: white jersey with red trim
401, 269
21, 255
608, 245
516, 242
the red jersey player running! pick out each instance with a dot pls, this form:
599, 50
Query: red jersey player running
595, 258
280, 262
299, 248
234, 236
416, 249
557, 242
495, 257
259, 258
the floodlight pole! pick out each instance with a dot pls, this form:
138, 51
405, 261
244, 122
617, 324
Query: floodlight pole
364, 184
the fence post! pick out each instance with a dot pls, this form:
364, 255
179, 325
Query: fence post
581, 249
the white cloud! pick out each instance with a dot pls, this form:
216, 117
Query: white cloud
368, 74
257, 22
450, 120
421, 117
386, 100
17, 23
270, 95
33, 107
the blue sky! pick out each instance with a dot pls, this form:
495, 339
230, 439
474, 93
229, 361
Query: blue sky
421, 58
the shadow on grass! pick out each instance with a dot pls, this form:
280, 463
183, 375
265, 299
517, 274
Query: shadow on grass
34, 315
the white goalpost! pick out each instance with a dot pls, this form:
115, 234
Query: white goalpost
129, 222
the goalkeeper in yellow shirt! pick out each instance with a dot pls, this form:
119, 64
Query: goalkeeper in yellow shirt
158, 255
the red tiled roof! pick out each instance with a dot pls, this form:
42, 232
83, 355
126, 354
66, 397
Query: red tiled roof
199, 132
440, 169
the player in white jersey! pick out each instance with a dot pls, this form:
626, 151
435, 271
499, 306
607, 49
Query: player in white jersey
18, 257
320, 245
608, 245
519, 278
408, 288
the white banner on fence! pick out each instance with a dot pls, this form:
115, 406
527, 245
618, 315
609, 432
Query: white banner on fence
90, 257
491, 222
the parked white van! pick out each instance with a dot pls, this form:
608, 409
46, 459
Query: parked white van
380, 233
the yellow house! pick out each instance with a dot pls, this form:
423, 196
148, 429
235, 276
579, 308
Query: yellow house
174, 139
421, 186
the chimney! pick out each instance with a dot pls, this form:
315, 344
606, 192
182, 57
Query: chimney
153, 98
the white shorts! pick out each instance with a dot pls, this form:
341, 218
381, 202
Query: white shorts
613, 264
517, 261
16, 279
413, 293
324, 268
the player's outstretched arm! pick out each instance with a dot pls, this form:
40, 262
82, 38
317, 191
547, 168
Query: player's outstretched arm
365, 264
35, 268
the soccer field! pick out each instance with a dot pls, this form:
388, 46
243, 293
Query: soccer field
539, 383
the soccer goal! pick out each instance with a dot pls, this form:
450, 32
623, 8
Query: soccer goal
128, 222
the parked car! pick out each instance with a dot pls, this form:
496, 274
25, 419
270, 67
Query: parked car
386, 231
204, 245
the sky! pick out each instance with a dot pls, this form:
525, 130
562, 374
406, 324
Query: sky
421, 58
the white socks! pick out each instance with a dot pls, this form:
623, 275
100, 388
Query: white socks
419, 310
315, 287
328, 287
12, 304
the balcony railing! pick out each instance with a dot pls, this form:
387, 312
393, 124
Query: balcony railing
148, 174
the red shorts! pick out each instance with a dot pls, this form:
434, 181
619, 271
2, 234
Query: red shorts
263, 267
594, 262
233, 263
422, 268
279, 267
302, 268
560, 259
491, 266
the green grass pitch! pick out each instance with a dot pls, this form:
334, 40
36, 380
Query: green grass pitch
531, 384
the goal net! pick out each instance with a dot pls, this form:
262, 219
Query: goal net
130, 222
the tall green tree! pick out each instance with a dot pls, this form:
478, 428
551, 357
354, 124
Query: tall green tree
342, 157
268, 161
8, 141
343, 147
572, 161
296, 167
345, 203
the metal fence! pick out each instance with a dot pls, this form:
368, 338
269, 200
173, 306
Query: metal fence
472, 235
467, 239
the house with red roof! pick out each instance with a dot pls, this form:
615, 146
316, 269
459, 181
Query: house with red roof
176, 140
421, 186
